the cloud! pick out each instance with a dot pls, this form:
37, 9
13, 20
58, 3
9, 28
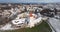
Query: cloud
28, 1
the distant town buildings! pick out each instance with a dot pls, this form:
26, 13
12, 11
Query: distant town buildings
10, 11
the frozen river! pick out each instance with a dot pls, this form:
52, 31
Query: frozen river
55, 23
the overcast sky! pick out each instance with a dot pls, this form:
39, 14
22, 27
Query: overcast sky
28, 1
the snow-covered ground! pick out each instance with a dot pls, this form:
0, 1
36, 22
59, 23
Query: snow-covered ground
32, 21
31, 24
8, 27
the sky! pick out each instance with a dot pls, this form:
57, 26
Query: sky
29, 1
